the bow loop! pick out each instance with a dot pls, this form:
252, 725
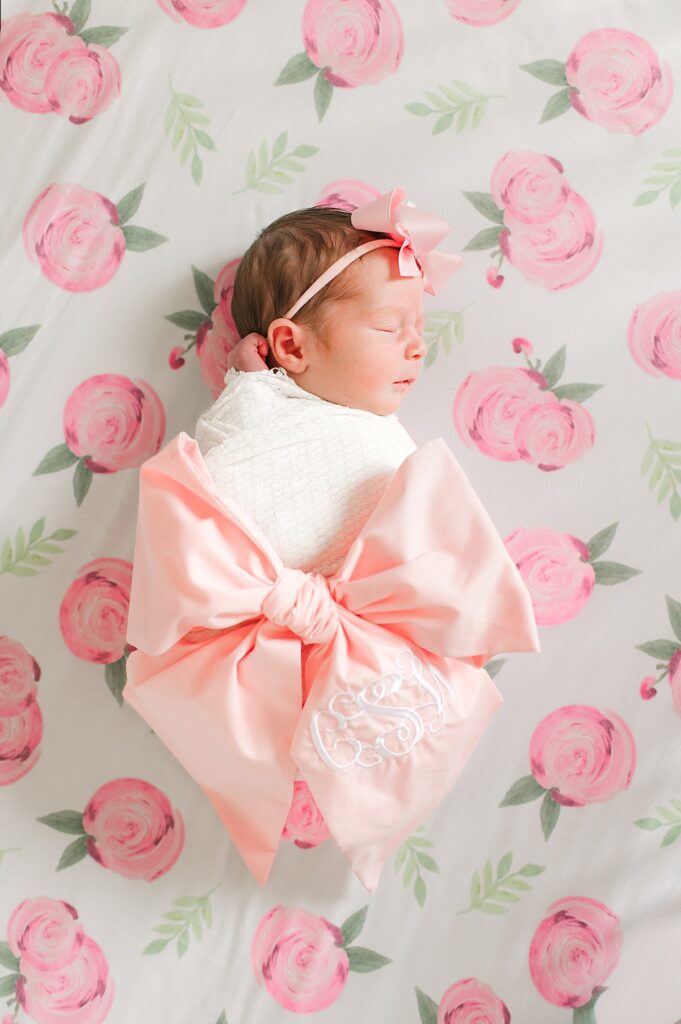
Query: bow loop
302, 602
417, 230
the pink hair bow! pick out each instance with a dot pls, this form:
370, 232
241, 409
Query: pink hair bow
417, 230
369, 682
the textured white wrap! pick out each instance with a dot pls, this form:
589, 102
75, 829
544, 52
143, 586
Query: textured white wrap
307, 471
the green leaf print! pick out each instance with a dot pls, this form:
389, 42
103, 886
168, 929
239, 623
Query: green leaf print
64, 821
412, 856
663, 459
354, 924
551, 71
297, 69
102, 35
181, 118
26, 555
669, 819
427, 1007
492, 893
669, 178
442, 327
459, 100
364, 960
265, 172
15, 341
182, 922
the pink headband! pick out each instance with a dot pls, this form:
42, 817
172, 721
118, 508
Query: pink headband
415, 231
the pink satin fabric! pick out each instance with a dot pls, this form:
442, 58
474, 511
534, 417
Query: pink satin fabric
368, 681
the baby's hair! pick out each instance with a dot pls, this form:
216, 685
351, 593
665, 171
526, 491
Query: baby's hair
283, 261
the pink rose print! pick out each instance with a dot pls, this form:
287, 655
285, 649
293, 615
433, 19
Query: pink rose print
110, 423
21, 720
543, 227
303, 960
45, 933
574, 949
299, 958
347, 194
560, 570
45, 66
667, 654
80, 993
82, 83
654, 335
304, 824
511, 414
481, 13
12, 342
77, 237
618, 81
28, 45
212, 331
93, 615
202, 13
579, 755
348, 43
471, 1000
128, 825
583, 756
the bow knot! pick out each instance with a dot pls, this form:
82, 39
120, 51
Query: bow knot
302, 602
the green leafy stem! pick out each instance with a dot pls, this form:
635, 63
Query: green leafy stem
266, 173
360, 959
669, 178
411, 854
32, 552
671, 820
463, 104
663, 457
181, 118
491, 894
188, 915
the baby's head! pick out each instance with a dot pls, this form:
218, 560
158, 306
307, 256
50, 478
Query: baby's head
358, 335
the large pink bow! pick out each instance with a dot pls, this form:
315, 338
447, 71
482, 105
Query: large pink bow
369, 681
419, 231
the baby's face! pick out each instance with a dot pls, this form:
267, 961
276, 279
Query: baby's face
373, 341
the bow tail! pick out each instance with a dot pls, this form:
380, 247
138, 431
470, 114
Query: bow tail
227, 709
388, 727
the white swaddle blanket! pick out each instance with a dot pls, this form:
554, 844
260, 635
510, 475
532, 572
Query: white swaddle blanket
307, 471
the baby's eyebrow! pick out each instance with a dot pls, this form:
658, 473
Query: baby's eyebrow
396, 309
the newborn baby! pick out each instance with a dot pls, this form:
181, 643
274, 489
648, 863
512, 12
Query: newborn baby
307, 444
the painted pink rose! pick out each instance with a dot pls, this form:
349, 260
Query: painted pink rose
674, 671
489, 404
360, 42
19, 672
654, 335
81, 992
556, 571
481, 12
93, 615
529, 186
115, 422
4, 377
82, 83
299, 959
45, 933
133, 829
29, 43
72, 234
574, 948
347, 194
556, 253
21, 720
469, 1001
583, 755
304, 824
202, 13
214, 341
619, 81
552, 434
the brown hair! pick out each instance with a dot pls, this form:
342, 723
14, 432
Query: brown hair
283, 261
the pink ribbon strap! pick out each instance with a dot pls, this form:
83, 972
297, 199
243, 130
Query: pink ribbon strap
369, 682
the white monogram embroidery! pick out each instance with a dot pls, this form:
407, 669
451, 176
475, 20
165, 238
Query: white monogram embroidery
397, 741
